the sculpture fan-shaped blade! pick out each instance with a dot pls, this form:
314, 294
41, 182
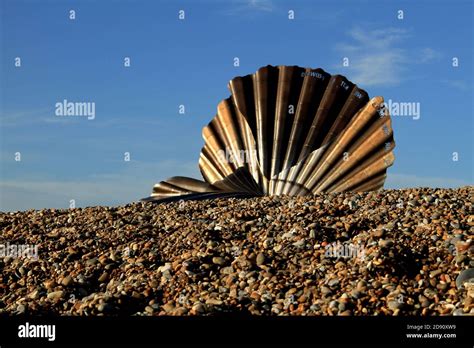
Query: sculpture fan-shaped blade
290, 130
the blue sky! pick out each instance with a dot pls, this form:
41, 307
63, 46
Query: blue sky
190, 62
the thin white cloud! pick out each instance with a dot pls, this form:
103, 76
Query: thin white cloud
428, 54
378, 57
375, 57
131, 184
457, 84
24, 117
260, 5
398, 181
322, 18
247, 7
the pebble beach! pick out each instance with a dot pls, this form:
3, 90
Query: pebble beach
391, 252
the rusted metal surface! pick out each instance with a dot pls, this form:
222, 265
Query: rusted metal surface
291, 130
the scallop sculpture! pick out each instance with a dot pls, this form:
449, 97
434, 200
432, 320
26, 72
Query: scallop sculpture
288, 130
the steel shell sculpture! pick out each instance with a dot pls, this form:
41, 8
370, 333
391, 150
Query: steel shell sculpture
288, 130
